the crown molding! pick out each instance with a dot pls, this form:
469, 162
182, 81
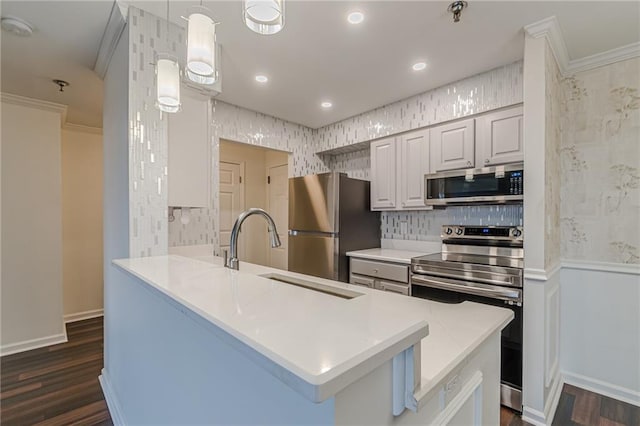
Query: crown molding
36, 103
549, 28
605, 58
81, 128
112, 32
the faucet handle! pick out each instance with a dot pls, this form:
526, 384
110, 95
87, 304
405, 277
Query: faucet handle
226, 258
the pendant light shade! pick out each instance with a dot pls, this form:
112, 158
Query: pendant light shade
201, 47
263, 16
168, 83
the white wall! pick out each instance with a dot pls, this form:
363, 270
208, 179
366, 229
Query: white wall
541, 319
31, 225
600, 217
82, 221
600, 335
116, 174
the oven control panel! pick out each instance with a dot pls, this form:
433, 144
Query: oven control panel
511, 233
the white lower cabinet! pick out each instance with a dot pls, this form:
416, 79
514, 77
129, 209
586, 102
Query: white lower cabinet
385, 276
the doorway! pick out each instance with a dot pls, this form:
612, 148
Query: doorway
253, 176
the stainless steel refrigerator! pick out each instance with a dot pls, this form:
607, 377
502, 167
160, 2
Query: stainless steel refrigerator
329, 215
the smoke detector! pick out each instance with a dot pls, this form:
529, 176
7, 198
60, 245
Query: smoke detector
16, 26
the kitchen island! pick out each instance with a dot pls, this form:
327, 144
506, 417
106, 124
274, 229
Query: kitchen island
188, 341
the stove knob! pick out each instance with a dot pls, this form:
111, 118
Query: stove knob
516, 232
458, 231
448, 231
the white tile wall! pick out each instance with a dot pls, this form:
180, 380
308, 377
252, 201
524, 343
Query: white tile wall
151, 232
147, 134
426, 225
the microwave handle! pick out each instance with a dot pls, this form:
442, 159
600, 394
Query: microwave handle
475, 289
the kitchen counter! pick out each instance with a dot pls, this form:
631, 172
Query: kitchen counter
386, 255
323, 348
272, 318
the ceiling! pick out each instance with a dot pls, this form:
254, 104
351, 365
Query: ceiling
64, 45
318, 56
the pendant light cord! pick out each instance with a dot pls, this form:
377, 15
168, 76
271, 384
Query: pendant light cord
167, 24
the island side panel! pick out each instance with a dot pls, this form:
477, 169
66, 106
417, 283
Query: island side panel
475, 399
163, 367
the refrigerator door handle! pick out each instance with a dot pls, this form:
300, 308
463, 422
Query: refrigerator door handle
295, 233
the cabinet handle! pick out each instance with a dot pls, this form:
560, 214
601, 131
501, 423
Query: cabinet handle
375, 271
468, 163
486, 161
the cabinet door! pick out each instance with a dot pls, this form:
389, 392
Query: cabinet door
361, 280
189, 153
452, 146
414, 164
499, 137
392, 287
383, 174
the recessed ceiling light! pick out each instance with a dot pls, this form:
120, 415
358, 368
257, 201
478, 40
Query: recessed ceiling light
16, 26
262, 78
326, 104
355, 17
419, 66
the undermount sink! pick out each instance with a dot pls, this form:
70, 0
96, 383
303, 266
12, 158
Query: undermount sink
312, 285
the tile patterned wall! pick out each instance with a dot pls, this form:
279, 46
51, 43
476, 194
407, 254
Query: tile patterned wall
148, 133
151, 232
483, 92
600, 164
426, 225
493, 89
553, 110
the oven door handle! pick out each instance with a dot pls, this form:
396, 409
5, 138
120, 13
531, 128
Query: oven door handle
475, 289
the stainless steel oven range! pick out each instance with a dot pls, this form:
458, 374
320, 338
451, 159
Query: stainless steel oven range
480, 264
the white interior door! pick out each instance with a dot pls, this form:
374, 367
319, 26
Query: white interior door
231, 201
278, 207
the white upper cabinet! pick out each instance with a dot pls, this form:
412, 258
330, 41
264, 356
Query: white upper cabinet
452, 146
413, 165
383, 174
499, 137
189, 153
398, 166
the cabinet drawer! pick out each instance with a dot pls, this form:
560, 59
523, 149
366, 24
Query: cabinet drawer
360, 280
388, 271
393, 287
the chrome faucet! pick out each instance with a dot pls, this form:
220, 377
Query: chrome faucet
234, 262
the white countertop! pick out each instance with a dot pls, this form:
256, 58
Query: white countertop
386, 255
326, 341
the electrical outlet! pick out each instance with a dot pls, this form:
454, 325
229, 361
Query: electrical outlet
404, 228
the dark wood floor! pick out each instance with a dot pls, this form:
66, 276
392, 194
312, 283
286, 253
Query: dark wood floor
58, 385
578, 407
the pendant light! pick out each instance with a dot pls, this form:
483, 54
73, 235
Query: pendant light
167, 79
201, 46
263, 16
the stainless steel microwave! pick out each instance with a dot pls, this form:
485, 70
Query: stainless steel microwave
489, 185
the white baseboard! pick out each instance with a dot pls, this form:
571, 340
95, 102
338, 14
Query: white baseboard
79, 316
603, 388
110, 397
538, 418
28, 345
